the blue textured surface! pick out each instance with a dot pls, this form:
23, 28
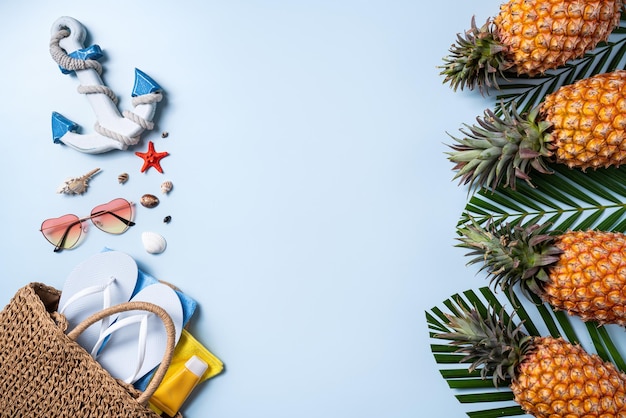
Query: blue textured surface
60, 126
144, 84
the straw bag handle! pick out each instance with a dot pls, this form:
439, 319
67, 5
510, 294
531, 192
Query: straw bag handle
138, 306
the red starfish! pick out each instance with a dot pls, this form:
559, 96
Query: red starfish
152, 158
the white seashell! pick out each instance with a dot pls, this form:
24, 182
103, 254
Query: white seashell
166, 186
77, 185
153, 242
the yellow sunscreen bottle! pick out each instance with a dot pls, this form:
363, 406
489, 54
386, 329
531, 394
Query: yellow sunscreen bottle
174, 391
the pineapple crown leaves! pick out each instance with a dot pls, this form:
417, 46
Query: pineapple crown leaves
511, 254
488, 341
500, 150
477, 59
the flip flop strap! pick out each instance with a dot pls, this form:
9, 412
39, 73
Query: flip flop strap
104, 288
170, 330
142, 319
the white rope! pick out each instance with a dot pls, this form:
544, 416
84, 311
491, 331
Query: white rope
98, 89
144, 123
127, 140
147, 98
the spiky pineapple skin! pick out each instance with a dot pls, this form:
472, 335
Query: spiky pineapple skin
589, 279
589, 121
545, 34
560, 379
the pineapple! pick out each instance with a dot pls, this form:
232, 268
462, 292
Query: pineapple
549, 377
580, 272
529, 37
581, 125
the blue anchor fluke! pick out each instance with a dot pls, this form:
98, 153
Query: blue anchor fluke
60, 126
64, 131
93, 52
144, 84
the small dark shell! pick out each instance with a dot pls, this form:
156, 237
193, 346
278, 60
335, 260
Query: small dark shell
149, 201
167, 219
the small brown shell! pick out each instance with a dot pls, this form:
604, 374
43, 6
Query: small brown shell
149, 201
122, 178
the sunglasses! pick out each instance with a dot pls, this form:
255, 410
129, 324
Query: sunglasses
64, 232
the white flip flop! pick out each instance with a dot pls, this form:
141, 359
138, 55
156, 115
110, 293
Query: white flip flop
136, 342
105, 279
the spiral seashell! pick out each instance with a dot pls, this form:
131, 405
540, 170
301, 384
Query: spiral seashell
77, 185
166, 187
122, 178
149, 201
153, 243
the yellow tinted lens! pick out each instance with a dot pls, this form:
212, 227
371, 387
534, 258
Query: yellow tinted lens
114, 217
62, 232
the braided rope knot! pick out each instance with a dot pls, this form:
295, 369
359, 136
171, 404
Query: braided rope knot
64, 60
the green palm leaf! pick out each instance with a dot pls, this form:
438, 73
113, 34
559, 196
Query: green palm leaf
568, 199
480, 396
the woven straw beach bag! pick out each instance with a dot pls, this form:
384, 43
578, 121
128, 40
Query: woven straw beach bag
45, 373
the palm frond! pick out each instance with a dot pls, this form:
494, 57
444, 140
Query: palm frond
480, 395
568, 199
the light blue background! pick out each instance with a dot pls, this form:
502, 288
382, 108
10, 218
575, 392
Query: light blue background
313, 209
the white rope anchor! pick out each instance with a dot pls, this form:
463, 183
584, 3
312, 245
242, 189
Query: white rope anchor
112, 129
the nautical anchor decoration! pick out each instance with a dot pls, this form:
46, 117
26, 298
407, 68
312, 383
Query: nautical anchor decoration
112, 129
